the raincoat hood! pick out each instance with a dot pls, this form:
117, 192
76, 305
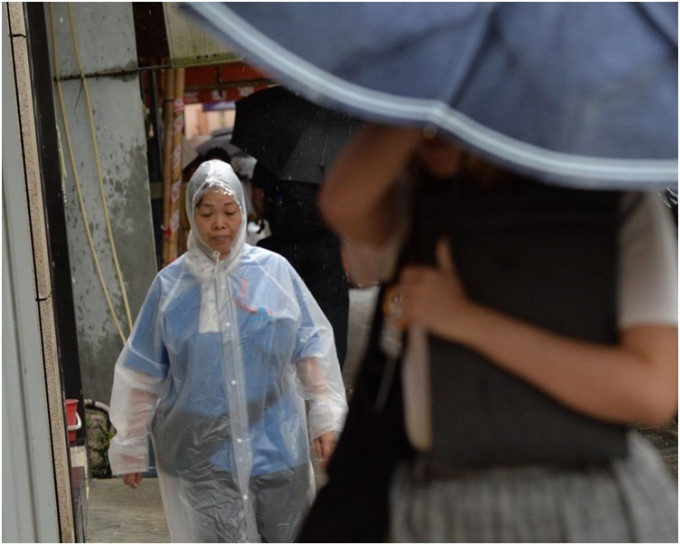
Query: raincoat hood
215, 174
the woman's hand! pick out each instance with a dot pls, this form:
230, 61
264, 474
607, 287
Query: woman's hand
133, 480
632, 382
324, 445
433, 297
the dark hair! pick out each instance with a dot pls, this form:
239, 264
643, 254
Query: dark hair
216, 153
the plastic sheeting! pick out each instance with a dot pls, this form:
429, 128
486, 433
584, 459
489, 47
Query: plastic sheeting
222, 357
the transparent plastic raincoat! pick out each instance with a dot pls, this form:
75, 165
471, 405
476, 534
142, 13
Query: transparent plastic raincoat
222, 357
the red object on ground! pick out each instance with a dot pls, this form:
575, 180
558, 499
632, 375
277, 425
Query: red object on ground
72, 419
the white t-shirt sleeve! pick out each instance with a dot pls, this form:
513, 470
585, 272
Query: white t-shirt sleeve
648, 263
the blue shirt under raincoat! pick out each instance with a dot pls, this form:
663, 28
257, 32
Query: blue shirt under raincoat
222, 358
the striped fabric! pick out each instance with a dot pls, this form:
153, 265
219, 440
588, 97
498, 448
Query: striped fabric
630, 500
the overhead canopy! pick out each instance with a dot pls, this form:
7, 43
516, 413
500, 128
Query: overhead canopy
223, 82
213, 72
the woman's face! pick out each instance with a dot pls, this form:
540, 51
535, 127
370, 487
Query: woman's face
217, 219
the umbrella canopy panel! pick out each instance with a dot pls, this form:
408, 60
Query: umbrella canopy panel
581, 93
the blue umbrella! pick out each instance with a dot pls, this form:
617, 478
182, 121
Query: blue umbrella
582, 94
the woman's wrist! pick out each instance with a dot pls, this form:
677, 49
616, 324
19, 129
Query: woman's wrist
463, 325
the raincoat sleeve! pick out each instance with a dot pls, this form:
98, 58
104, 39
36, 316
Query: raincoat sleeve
318, 370
138, 377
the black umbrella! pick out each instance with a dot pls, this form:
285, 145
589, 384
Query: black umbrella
294, 138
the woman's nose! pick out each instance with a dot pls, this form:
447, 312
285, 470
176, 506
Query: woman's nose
220, 222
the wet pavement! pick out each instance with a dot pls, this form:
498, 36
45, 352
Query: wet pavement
118, 514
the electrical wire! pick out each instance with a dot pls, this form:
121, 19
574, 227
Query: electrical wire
100, 177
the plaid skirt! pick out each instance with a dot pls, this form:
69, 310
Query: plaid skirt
628, 500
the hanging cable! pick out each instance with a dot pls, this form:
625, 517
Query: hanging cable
81, 202
100, 177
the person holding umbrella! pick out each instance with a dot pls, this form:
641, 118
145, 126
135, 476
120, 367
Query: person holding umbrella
540, 327
294, 142
299, 233
228, 350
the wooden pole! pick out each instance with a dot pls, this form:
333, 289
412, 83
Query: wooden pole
168, 101
177, 137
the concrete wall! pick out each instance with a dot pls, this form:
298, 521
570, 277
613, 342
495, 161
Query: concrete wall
106, 42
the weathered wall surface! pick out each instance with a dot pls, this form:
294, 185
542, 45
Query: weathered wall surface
106, 43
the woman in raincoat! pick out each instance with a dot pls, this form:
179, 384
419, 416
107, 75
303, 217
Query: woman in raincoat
228, 347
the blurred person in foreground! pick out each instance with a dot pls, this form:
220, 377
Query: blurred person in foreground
228, 348
524, 331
